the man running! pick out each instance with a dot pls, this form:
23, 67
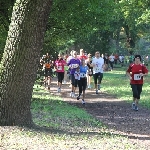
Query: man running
98, 64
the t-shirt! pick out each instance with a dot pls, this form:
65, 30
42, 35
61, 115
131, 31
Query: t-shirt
81, 73
73, 64
60, 65
69, 58
111, 58
98, 65
82, 57
135, 70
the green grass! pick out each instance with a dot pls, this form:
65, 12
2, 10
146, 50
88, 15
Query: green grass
116, 83
53, 112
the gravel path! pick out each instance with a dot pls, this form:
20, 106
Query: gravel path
116, 114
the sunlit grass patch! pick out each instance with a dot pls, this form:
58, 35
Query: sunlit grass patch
51, 111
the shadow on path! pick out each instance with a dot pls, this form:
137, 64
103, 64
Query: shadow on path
116, 114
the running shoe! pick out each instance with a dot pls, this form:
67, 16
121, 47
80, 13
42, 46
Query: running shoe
78, 97
83, 102
65, 82
72, 94
59, 90
133, 106
96, 91
89, 86
136, 108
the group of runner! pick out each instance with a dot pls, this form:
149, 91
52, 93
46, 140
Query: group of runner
81, 68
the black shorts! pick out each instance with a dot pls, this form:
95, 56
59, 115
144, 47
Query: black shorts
98, 76
82, 84
60, 76
74, 81
48, 72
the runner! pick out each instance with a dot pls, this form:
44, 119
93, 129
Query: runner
136, 72
106, 61
73, 64
82, 80
98, 64
47, 67
111, 61
59, 65
82, 55
89, 75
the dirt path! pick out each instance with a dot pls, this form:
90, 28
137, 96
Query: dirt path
116, 114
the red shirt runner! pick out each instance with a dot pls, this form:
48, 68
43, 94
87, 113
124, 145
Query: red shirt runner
135, 70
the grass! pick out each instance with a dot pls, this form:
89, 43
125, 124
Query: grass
116, 83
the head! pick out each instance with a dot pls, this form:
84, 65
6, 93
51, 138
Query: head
71, 53
137, 58
97, 54
83, 62
60, 56
81, 52
74, 54
89, 56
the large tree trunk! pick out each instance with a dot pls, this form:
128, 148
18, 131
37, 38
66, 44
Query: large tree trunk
20, 60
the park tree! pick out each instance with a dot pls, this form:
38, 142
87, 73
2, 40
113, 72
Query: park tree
20, 60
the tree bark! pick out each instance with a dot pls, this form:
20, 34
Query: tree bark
20, 60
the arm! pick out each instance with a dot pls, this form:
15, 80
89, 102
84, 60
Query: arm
128, 73
144, 71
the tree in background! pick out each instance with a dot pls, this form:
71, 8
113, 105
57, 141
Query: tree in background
20, 60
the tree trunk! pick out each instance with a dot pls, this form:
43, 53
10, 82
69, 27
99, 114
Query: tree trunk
20, 60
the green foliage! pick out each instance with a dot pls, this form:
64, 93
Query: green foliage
88, 24
77, 20
5, 14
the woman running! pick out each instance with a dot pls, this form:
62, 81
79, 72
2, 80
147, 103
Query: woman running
82, 81
88, 61
59, 65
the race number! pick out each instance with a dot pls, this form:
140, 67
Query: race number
82, 75
59, 67
137, 77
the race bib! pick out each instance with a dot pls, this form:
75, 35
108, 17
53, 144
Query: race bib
59, 67
97, 69
77, 76
74, 65
82, 75
137, 77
